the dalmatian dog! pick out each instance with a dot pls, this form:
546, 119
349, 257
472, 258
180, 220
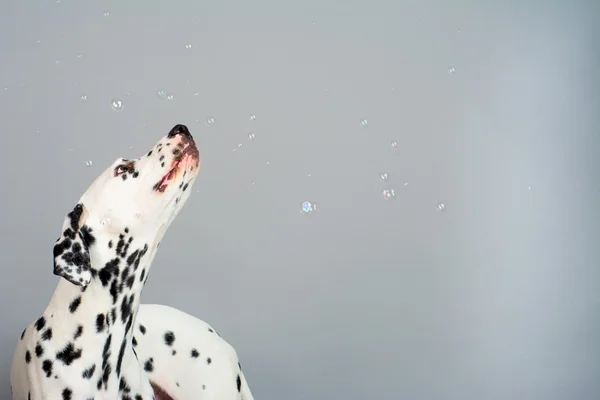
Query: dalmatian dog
82, 347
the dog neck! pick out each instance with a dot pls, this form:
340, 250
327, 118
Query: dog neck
102, 314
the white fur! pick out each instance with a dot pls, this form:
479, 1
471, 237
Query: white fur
182, 375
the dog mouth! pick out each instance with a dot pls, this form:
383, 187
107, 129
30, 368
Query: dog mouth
189, 156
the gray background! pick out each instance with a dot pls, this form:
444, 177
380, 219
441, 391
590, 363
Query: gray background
497, 297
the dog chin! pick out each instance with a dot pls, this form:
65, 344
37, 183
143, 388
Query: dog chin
159, 235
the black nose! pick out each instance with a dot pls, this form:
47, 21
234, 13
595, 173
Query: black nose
180, 130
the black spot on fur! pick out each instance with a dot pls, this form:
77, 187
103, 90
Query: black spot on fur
108, 271
120, 358
47, 335
126, 307
208, 360
89, 372
195, 353
78, 332
149, 365
238, 382
68, 354
23, 334
47, 367
169, 338
86, 233
129, 323
106, 366
40, 323
132, 257
99, 323
75, 304
115, 290
106, 351
142, 329
39, 350
66, 394
27, 357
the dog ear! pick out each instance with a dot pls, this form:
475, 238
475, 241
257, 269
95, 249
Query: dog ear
71, 252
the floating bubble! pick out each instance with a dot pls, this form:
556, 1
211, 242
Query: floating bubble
210, 121
441, 207
116, 104
83, 97
251, 136
240, 144
188, 46
451, 71
383, 177
308, 207
394, 144
364, 123
252, 117
107, 14
163, 94
88, 163
388, 193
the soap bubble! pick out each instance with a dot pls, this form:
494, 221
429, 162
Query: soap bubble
308, 207
117, 104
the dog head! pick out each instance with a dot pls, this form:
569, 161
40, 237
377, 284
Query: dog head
139, 196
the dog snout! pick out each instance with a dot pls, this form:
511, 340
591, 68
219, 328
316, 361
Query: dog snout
180, 130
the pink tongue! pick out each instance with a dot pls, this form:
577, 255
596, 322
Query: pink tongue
167, 178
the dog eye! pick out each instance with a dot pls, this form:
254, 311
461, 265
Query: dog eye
121, 169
